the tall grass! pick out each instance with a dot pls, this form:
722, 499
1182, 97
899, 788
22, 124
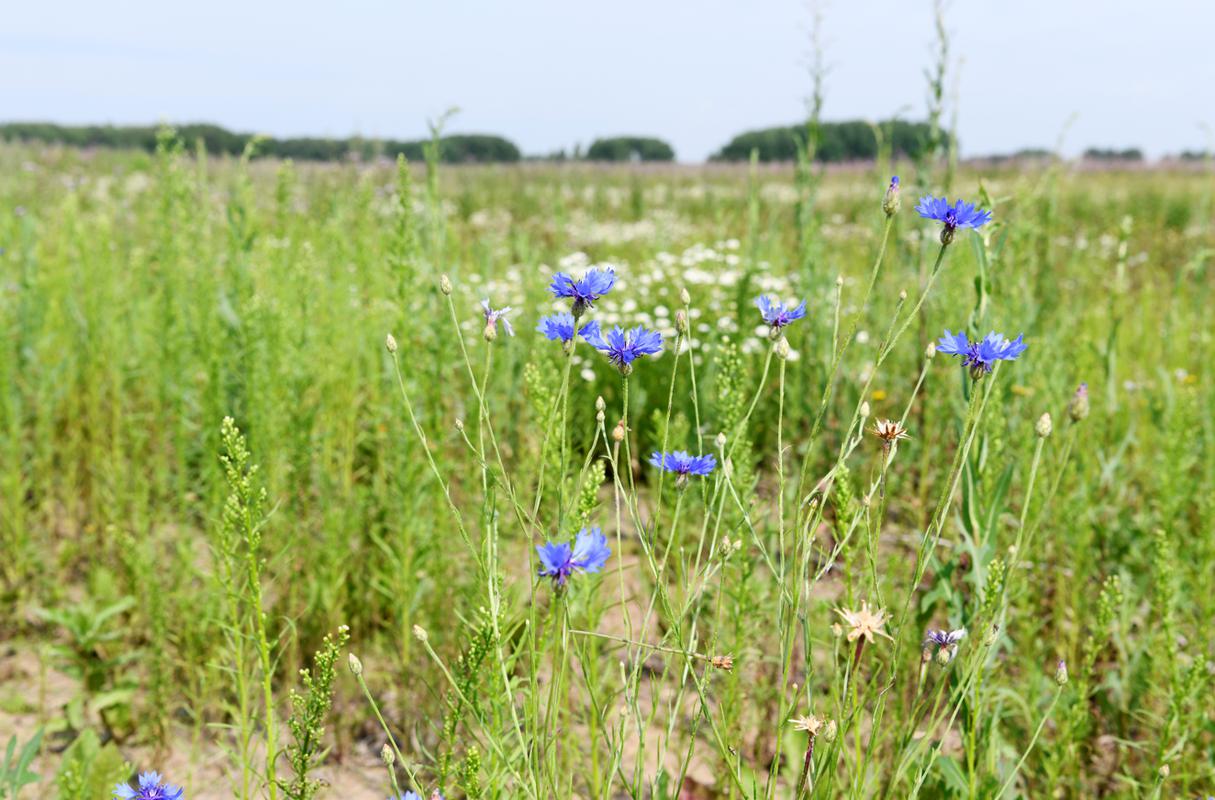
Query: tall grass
146, 299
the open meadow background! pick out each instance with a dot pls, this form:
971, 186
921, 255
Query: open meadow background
273, 480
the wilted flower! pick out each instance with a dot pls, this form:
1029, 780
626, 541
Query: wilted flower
811, 724
889, 431
623, 348
683, 464
1077, 408
777, 315
588, 554
864, 623
150, 788
725, 663
981, 355
593, 285
959, 215
493, 317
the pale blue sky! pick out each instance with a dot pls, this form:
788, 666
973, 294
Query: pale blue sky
549, 73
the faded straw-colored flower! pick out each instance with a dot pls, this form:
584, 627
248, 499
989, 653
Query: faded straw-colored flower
865, 623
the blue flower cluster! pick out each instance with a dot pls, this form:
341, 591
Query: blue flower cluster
151, 787
982, 354
588, 554
952, 217
777, 315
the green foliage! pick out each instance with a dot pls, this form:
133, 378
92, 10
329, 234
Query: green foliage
629, 148
90, 770
308, 713
15, 772
457, 148
836, 141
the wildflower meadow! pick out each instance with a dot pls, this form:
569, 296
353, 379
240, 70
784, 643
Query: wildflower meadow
413, 480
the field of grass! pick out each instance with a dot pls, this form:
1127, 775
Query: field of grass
165, 575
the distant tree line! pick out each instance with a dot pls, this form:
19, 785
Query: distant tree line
1111, 154
630, 148
455, 148
837, 141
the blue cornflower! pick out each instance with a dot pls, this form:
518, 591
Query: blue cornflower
776, 315
623, 348
959, 215
982, 354
683, 464
593, 285
150, 788
493, 317
560, 327
416, 796
588, 554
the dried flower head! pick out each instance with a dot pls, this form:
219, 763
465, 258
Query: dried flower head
865, 623
811, 724
725, 663
889, 431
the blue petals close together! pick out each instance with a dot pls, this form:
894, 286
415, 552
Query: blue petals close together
593, 285
151, 787
981, 355
588, 554
560, 327
683, 463
959, 215
622, 348
776, 315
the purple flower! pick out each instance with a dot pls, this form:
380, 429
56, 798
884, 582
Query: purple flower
776, 315
593, 285
588, 554
623, 348
493, 317
683, 464
946, 638
150, 788
959, 215
980, 355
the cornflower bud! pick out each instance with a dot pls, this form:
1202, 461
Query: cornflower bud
1077, 409
1043, 427
445, 284
391, 343
356, 666
387, 756
420, 633
684, 297
892, 201
681, 321
1061, 673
